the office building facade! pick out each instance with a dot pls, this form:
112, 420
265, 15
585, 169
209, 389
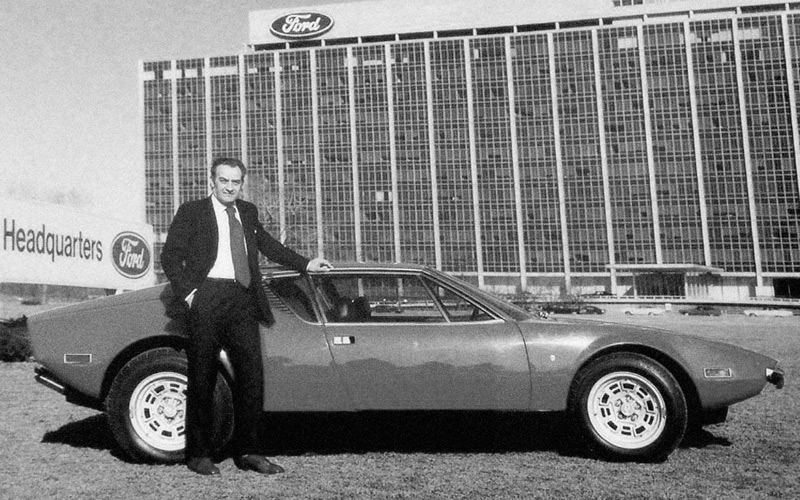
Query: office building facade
635, 147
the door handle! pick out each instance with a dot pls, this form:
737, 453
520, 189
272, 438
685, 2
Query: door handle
344, 340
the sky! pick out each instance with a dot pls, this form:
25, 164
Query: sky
69, 90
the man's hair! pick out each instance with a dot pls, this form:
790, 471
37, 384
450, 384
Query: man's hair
231, 162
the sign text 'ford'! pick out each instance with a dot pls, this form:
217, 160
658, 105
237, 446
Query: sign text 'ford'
300, 26
131, 255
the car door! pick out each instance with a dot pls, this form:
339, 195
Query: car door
405, 342
298, 371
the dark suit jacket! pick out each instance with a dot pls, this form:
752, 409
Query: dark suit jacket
191, 249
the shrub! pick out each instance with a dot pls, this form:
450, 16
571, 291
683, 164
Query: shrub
14, 344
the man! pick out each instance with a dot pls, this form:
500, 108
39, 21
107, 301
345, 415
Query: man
211, 260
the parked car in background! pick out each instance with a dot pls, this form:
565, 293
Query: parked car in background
560, 308
590, 309
382, 338
565, 308
770, 312
702, 310
644, 311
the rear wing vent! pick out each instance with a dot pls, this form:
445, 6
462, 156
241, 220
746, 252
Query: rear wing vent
276, 301
289, 298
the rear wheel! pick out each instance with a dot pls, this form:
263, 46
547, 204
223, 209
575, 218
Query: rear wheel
629, 407
147, 407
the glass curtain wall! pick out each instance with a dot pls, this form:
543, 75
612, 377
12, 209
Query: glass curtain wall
653, 143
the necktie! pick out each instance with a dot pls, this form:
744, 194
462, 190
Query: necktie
240, 266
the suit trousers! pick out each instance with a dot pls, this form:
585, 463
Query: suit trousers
223, 315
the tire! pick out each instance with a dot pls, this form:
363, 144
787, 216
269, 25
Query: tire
628, 407
146, 407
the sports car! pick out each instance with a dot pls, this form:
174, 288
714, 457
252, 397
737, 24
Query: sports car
393, 338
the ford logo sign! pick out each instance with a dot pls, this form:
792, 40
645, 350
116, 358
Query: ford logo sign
130, 254
301, 26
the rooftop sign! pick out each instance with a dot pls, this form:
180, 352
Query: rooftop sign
367, 18
300, 26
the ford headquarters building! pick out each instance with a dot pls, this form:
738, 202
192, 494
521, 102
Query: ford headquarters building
635, 147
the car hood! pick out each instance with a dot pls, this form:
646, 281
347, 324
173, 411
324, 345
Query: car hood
593, 335
563, 345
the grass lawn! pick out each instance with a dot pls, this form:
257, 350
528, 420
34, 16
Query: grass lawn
52, 449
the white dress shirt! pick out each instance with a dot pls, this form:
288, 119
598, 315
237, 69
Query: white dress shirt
223, 266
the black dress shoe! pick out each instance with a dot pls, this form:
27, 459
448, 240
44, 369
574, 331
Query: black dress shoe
203, 466
258, 464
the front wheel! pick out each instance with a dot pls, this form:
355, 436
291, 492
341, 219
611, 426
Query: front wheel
629, 407
146, 407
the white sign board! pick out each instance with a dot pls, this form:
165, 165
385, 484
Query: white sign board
55, 245
350, 19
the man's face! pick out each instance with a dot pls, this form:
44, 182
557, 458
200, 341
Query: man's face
227, 184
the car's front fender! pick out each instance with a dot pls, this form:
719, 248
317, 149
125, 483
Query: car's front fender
719, 374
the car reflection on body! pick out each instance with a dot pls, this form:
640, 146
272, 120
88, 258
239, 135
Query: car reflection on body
702, 310
387, 338
644, 311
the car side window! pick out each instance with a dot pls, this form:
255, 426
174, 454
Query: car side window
457, 308
293, 294
377, 298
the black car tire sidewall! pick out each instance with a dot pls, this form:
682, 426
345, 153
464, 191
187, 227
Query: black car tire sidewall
161, 360
660, 377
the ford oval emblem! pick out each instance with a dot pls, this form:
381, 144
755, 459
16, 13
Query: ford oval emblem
130, 254
301, 25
